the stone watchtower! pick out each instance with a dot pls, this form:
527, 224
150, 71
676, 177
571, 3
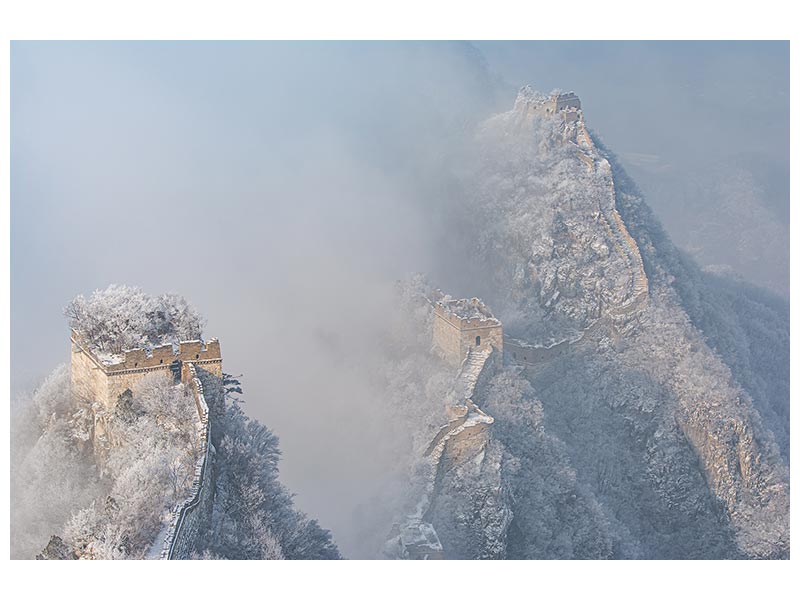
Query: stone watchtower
98, 380
103, 378
461, 325
531, 104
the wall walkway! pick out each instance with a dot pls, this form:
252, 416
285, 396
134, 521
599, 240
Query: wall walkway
189, 517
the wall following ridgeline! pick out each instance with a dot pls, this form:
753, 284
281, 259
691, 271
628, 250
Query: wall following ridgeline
521, 352
193, 517
464, 436
98, 380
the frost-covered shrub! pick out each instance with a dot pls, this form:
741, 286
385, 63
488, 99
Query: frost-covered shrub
52, 473
109, 507
150, 466
254, 516
123, 317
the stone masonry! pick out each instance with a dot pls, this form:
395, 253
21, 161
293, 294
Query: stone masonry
95, 379
460, 325
99, 381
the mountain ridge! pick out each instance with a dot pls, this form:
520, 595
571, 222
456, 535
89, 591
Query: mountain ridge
658, 431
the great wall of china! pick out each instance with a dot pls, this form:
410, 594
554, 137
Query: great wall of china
105, 379
188, 518
618, 233
463, 437
467, 334
575, 134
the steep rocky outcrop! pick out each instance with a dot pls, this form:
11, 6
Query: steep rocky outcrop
644, 424
56, 549
692, 421
180, 471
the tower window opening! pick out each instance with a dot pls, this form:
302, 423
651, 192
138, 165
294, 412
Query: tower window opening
477, 340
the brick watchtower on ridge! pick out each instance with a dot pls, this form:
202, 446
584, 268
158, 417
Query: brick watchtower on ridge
461, 325
102, 378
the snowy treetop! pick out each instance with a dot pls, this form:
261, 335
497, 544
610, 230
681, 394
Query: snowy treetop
531, 95
122, 317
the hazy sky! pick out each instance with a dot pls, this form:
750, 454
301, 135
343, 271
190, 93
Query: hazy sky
703, 128
282, 188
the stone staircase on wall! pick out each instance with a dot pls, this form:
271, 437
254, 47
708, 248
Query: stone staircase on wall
637, 294
469, 372
416, 536
617, 232
640, 285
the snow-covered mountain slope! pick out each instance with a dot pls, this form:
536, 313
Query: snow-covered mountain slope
664, 433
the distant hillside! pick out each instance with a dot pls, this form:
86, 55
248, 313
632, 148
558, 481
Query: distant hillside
664, 432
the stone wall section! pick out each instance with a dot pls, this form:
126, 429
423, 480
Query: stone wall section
97, 381
615, 227
531, 104
521, 352
186, 351
464, 436
191, 518
454, 336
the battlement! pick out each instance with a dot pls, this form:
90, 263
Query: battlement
566, 101
101, 377
193, 351
188, 351
529, 100
463, 324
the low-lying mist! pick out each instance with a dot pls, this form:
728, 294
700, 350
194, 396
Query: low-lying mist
282, 188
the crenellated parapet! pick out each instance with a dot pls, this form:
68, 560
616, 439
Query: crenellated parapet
193, 351
531, 104
530, 100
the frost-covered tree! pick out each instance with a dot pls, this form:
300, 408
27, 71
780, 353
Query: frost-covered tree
123, 317
52, 469
112, 501
148, 469
254, 516
554, 515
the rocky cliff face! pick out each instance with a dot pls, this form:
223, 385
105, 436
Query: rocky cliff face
663, 433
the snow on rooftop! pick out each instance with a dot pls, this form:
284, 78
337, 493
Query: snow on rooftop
109, 358
465, 308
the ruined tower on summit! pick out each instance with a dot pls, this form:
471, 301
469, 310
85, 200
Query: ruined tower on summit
564, 106
461, 325
550, 104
